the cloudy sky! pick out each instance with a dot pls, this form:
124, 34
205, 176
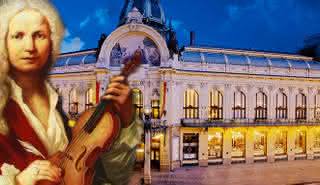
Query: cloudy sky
271, 25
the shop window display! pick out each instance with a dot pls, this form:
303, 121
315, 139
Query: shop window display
316, 143
215, 145
238, 144
300, 142
280, 143
260, 143
190, 146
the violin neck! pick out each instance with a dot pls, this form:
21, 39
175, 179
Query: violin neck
97, 114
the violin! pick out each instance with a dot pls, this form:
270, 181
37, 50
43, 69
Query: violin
94, 133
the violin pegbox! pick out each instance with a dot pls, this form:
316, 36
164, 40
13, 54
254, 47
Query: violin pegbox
132, 63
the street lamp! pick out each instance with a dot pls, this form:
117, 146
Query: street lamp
147, 145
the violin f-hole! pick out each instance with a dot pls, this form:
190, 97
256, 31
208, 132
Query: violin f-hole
78, 163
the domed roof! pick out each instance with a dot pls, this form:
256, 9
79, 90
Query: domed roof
151, 11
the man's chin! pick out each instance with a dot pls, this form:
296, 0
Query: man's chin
33, 71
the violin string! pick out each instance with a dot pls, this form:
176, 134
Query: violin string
89, 125
81, 134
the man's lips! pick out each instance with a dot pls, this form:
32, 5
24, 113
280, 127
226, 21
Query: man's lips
29, 58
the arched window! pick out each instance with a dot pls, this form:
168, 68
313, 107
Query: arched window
89, 99
281, 106
191, 104
73, 102
317, 106
301, 107
216, 105
155, 107
261, 106
138, 101
239, 105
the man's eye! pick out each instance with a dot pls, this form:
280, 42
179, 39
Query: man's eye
40, 36
18, 36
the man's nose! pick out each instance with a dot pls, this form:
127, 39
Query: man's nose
30, 45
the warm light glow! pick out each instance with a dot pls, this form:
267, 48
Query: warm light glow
158, 136
140, 150
147, 110
72, 123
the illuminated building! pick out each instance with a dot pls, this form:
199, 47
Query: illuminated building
221, 105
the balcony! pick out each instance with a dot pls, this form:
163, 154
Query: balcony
158, 125
245, 123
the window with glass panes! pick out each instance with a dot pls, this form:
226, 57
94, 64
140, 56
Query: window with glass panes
191, 104
216, 105
73, 102
138, 101
239, 105
281, 106
89, 99
261, 106
301, 106
155, 107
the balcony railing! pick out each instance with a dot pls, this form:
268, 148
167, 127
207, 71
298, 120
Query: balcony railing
245, 122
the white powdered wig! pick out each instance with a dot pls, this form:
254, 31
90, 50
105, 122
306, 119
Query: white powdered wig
8, 9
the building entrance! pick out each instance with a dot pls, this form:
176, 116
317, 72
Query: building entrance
155, 153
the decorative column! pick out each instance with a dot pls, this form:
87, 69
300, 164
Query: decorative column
203, 147
291, 143
271, 103
170, 118
270, 145
249, 146
309, 144
147, 160
250, 98
164, 151
147, 145
227, 146
310, 103
291, 104
227, 102
204, 100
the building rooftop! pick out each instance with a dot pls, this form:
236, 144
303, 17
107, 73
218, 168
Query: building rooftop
248, 58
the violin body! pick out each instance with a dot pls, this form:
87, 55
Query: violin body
94, 133
78, 168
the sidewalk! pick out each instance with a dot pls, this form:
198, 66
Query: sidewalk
301, 172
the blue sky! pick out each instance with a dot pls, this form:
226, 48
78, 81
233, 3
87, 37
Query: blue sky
271, 25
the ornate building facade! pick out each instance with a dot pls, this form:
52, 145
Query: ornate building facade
221, 106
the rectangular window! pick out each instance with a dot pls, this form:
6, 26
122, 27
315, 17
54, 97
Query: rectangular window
215, 145
238, 144
281, 143
190, 146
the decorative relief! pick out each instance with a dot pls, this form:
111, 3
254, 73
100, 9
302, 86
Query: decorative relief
249, 87
260, 89
270, 88
291, 89
203, 84
132, 27
190, 86
155, 92
238, 88
300, 90
281, 90
227, 86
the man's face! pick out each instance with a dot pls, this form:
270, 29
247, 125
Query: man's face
28, 41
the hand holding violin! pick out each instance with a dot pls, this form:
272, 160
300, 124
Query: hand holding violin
120, 93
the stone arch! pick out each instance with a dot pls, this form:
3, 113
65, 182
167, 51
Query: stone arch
130, 29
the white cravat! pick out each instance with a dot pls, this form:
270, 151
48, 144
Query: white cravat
54, 138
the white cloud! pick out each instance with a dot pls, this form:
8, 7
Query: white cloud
66, 33
102, 15
85, 22
70, 43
